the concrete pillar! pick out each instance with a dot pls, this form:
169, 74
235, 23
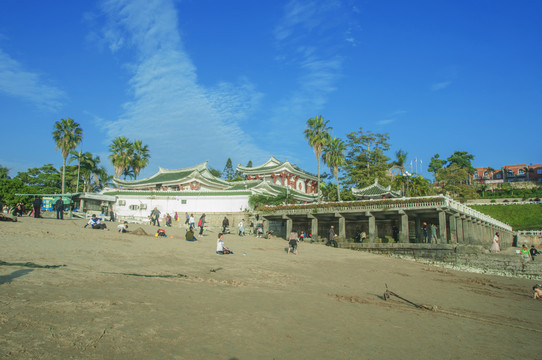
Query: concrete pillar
403, 230
265, 225
442, 227
314, 227
460, 231
288, 226
453, 229
419, 232
467, 231
372, 227
342, 227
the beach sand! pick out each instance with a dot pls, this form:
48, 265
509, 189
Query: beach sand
126, 296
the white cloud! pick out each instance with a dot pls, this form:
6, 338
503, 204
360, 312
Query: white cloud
183, 122
441, 85
17, 82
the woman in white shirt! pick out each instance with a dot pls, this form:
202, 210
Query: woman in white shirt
220, 248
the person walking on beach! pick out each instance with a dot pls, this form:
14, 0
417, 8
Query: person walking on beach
225, 224
191, 222
155, 217
331, 239
37, 204
241, 227
294, 241
495, 247
201, 223
59, 209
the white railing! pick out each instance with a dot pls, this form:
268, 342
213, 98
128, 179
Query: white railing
398, 203
530, 232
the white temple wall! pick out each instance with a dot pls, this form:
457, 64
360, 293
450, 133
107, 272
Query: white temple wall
141, 207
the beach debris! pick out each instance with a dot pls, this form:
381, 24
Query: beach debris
388, 294
215, 270
30, 265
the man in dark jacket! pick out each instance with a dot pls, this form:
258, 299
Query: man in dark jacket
36, 204
60, 208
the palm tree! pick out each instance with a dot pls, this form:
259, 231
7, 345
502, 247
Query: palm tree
89, 164
334, 158
528, 170
77, 155
121, 154
317, 133
140, 158
400, 159
67, 135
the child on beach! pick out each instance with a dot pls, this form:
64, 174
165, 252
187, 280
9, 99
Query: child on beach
95, 223
495, 248
537, 291
123, 228
220, 248
294, 240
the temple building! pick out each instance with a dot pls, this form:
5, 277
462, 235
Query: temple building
375, 191
196, 189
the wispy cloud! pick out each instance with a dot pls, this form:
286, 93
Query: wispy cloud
441, 85
182, 121
310, 39
392, 117
17, 82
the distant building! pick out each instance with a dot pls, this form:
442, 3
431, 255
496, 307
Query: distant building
509, 173
196, 189
375, 191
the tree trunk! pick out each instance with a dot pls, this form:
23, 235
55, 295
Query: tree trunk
63, 173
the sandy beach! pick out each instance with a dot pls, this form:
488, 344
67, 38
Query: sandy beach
73, 293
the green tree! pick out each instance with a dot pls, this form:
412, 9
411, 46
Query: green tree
140, 158
454, 181
10, 187
528, 170
249, 164
44, 180
436, 164
317, 134
67, 135
334, 158
215, 172
121, 154
366, 159
228, 172
464, 161
4, 172
77, 155
400, 160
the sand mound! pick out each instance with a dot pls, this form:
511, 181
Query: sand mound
139, 231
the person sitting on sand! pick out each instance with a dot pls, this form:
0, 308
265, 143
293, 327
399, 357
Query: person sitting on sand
294, 240
525, 252
220, 248
95, 223
537, 291
190, 235
7, 218
533, 251
123, 228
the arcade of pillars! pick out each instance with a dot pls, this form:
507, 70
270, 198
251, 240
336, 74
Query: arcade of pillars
455, 222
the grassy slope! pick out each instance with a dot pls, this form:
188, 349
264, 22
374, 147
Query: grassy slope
520, 217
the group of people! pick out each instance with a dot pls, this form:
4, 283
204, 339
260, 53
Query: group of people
429, 233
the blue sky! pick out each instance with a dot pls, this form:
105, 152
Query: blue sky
212, 80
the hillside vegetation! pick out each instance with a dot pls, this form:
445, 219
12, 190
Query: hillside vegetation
520, 217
